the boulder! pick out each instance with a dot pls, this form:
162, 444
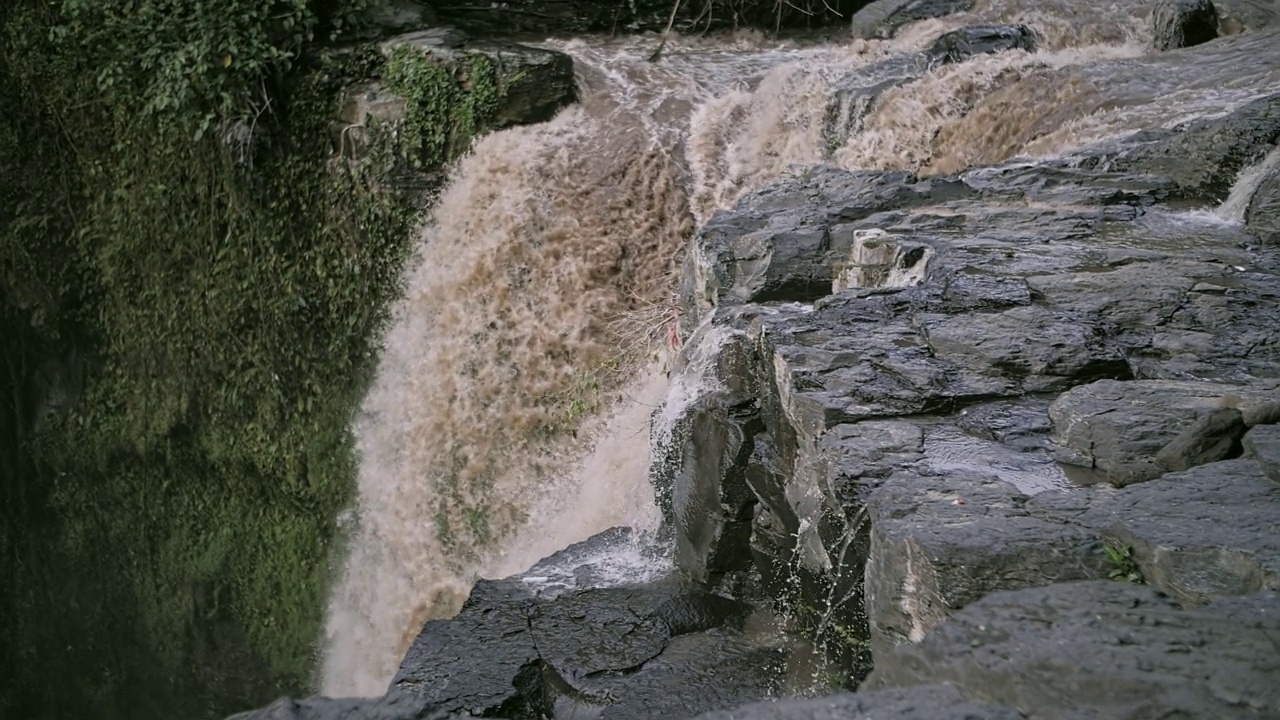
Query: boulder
533, 83
1262, 443
882, 18
1101, 649
1128, 432
604, 652
1183, 23
383, 18
962, 44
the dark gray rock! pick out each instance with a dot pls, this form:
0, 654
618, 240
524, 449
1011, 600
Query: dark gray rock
944, 534
889, 403
1262, 443
535, 83
926, 702
702, 448
383, 18
1059, 182
882, 18
964, 43
1101, 649
1118, 429
1203, 156
1213, 436
510, 654
940, 543
1235, 16
1022, 424
797, 240
314, 709
1262, 217
1183, 23
389, 707
1200, 535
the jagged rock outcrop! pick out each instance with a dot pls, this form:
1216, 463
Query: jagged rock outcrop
548, 644
950, 370
1183, 23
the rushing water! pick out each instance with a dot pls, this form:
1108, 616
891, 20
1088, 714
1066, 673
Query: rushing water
510, 414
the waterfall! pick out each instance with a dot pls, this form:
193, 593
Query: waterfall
509, 415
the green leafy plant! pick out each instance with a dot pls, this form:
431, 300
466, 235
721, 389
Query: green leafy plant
221, 318
1122, 564
446, 105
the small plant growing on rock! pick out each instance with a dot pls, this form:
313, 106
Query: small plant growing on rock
1123, 566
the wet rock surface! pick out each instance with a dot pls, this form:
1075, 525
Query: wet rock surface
526, 648
1008, 436
1262, 217
1017, 392
929, 702
1183, 23
963, 44
535, 82
882, 18
1102, 649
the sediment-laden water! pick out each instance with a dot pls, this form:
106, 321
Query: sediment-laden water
511, 412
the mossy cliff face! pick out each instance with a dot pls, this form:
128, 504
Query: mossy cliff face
192, 284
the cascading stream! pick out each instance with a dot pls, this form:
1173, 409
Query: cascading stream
510, 412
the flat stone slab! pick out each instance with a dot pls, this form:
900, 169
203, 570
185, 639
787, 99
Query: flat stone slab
926, 702
1102, 649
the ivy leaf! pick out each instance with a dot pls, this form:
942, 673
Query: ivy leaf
226, 61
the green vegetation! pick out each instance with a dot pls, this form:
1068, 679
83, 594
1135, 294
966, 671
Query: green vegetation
191, 289
1123, 566
444, 107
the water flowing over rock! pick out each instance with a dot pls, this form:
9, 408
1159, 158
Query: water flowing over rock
946, 368
1263, 215
977, 386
